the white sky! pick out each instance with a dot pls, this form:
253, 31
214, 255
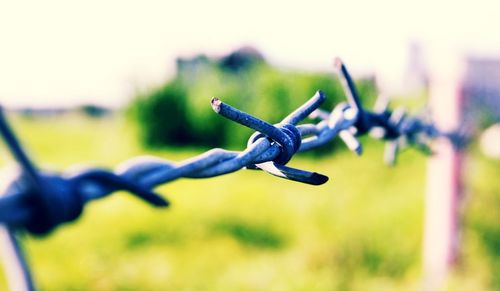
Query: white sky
72, 52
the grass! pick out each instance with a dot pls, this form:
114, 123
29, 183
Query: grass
249, 230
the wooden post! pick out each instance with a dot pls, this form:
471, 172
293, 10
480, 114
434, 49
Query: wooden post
440, 246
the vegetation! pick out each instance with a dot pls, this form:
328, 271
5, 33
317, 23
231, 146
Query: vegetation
251, 231
178, 113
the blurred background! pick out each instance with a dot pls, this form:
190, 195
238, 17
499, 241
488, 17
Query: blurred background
103, 81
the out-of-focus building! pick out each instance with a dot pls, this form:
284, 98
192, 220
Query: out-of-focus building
190, 69
481, 91
240, 60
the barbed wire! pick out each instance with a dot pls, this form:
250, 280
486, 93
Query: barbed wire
39, 201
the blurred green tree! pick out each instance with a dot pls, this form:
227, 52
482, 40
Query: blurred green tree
178, 113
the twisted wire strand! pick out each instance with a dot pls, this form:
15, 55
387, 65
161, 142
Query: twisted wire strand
61, 198
38, 201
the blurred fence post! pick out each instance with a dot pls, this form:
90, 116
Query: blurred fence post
15, 268
443, 193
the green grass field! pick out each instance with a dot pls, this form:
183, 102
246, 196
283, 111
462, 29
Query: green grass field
251, 231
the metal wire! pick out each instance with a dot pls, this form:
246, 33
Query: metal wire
269, 149
38, 201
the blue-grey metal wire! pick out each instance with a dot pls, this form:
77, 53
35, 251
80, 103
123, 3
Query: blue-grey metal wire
269, 149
